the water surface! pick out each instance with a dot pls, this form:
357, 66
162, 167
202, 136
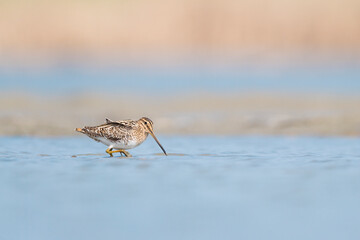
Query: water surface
207, 188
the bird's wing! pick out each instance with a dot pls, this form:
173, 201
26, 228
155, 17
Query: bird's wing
122, 124
108, 120
111, 129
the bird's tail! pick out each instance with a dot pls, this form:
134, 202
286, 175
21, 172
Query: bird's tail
80, 130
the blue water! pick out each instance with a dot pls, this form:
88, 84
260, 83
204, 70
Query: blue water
341, 79
207, 188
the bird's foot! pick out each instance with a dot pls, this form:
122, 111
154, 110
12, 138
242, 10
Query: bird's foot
127, 154
110, 152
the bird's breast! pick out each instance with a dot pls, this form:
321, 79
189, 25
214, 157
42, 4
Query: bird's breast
121, 143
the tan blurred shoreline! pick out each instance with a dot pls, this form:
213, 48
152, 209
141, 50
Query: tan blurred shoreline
263, 35
54, 29
204, 114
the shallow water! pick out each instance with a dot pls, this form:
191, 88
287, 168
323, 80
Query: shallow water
207, 188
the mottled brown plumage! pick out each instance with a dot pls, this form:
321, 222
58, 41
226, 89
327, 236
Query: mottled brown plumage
121, 135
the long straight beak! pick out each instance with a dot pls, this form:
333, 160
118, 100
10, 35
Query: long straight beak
153, 135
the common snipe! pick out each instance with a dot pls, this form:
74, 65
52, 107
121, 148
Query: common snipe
121, 135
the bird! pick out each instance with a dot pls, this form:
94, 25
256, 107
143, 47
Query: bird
121, 135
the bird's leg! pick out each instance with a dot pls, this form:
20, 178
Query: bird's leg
127, 154
109, 151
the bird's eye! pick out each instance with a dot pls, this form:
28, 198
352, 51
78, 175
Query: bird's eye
145, 122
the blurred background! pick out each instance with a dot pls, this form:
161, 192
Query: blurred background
287, 67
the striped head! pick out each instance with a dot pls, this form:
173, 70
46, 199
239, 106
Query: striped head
147, 125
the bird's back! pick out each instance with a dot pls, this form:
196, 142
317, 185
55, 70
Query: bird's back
112, 130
